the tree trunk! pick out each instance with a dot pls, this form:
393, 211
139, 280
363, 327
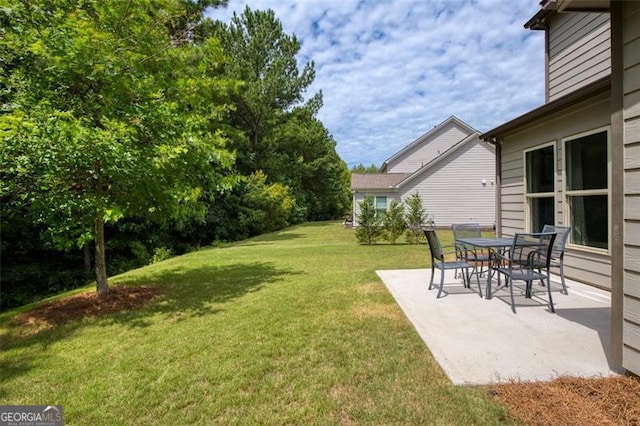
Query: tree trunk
102, 287
86, 249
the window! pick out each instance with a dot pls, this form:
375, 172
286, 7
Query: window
540, 188
381, 206
587, 195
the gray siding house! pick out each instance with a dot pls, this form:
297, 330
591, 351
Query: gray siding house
451, 169
575, 160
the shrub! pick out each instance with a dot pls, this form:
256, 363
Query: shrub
416, 217
394, 223
369, 224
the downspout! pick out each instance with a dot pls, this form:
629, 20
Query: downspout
617, 184
497, 144
546, 63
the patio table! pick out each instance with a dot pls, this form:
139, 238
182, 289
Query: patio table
491, 244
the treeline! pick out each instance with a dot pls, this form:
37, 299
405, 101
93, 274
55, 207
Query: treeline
361, 168
133, 131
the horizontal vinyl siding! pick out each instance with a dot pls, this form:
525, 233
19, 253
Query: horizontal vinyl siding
631, 114
452, 190
429, 149
581, 265
579, 51
358, 197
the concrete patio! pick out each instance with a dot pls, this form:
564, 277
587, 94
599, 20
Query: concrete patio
480, 341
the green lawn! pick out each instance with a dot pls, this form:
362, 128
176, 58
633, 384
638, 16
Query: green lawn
291, 327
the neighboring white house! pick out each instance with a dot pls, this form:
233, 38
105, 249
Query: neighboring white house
575, 160
449, 166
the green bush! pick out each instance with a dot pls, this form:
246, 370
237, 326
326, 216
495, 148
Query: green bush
268, 207
416, 217
394, 223
369, 227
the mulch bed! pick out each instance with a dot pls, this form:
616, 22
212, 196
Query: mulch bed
88, 305
573, 401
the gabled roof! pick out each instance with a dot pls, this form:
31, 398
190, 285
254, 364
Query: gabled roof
439, 158
377, 180
397, 180
426, 136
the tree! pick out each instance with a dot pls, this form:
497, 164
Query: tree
394, 223
267, 207
264, 58
361, 168
109, 111
273, 129
369, 224
306, 160
416, 217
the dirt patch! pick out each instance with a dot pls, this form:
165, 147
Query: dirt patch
573, 401
88, 305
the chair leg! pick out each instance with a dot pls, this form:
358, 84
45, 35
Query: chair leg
478, 280
432, 274
513, 301
564, 284
466, 278
550, 297
441, 283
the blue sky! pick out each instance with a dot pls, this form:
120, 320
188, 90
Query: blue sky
392, 70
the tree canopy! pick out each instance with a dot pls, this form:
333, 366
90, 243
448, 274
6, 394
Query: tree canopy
108, 113
119, 116
273, 128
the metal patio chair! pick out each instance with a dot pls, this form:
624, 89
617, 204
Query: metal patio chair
470, 254
559, 246
527, 260
438, 261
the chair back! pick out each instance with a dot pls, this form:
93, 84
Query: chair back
434, 243
561, 239
466, 230
533, 250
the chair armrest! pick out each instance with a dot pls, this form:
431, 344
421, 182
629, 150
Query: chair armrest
505, 255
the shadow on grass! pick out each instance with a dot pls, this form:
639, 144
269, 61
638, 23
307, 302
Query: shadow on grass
186, 292
269, 239
201, 291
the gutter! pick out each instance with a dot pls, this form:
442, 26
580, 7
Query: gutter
599, 86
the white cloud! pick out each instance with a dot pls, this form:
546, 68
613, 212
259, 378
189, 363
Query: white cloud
391, 70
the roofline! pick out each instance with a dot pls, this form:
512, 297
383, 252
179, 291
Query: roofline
577, 6
599, 86
379, 188
367, 190
439, 158
452, 118
538, 21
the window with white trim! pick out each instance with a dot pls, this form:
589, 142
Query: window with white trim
586, 189
381, 205
540, 187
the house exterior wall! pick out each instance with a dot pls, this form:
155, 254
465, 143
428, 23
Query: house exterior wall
579, 51
359, 196
453, 191
422, 153
631, 132
591, 266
